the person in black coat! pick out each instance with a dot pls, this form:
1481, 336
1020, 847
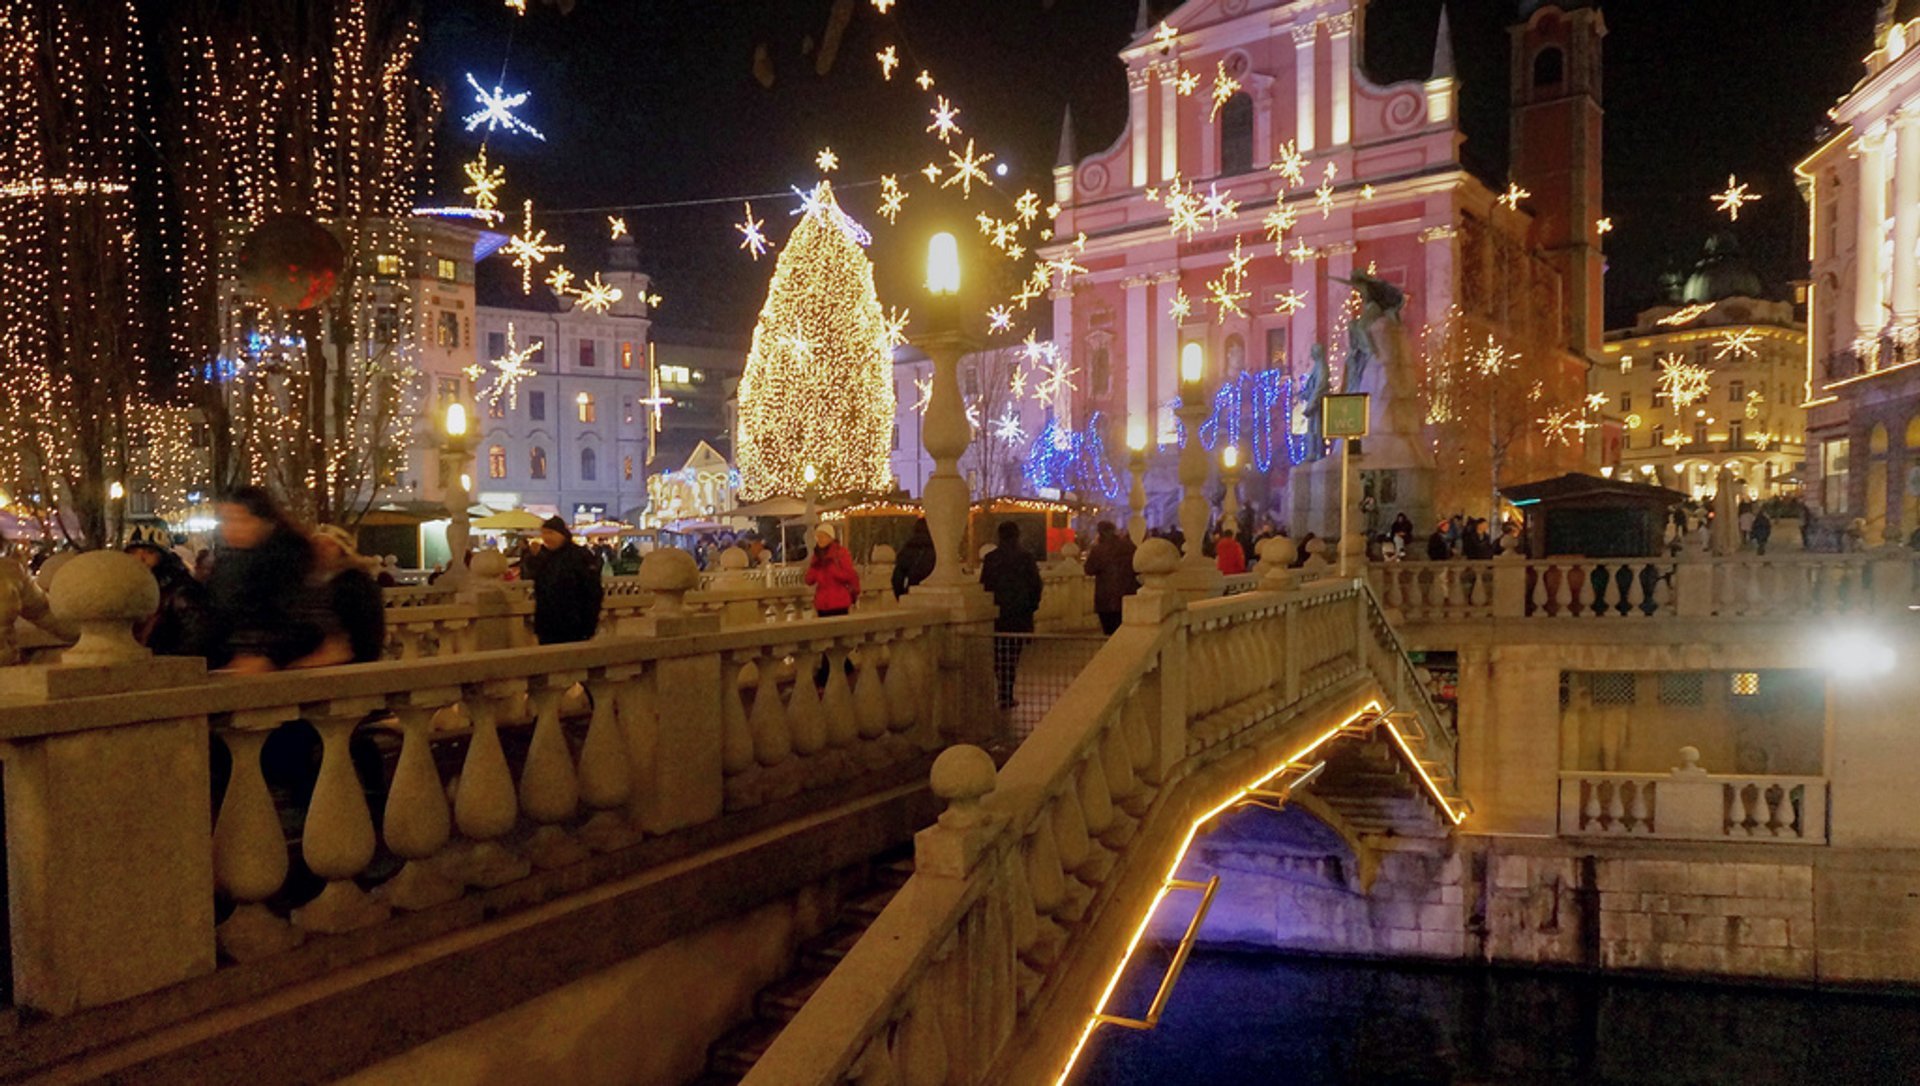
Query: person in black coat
257, 585
915, 561
1438, 549
566, 587
1011, 574
179, 627
1110, 564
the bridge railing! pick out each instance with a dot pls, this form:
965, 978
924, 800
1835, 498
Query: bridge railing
1612, 589
508, 762
969, 953
1694, 806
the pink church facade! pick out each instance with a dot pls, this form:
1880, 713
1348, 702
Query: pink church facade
1381, 189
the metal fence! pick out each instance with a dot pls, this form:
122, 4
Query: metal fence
1032, 670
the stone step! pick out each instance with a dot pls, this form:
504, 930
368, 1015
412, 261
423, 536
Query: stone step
782, 999
825, 950
867, 907
717, 1078
742, 1047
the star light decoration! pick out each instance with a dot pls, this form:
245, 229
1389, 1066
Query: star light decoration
508, 371
881, 6
1564, 426
561, 280
931, 172
1007, 427
1224, 88
597, 296
1186, 83
529, 247
752, 238
923, 394
1290, 164
617, 227
1164, 36
893, 327
1738, 345
943, 124
1755, 401
1514, 195
967, 170
1027, 207
1603, 225
1229, 290
889, 59
1491, 360
999, 319
1734, 198
1290, 302
924, 79
1278, 221
1323, 196
1181, 307
483, 181
891, 197
1064, 266
826, 160
496, 110
1683, 383
1597, 401
1218, 206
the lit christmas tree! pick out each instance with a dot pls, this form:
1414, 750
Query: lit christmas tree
818, 388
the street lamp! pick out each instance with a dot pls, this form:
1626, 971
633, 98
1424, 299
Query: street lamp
944, 430
809, 475
459, 531
1230, 478
1196, 573
1137, 465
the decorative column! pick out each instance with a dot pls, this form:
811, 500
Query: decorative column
1197, 575
1340, 35
1304, 105
1305, 330
1137, 349
457, 456
1230, 471
1169, 120
1906, 222
1137, 117
1137, 467
1166, 360
1867, 290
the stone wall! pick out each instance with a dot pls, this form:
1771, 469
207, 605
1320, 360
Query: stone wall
1776, 912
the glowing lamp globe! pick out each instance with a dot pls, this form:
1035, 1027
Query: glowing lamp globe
1137, 435
1230, 456
290, 262
456, 420
1193, 360
943, 264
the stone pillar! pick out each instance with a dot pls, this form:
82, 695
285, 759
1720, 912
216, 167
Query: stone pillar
945, 433
1305, 331
1304, 104
1137, 495
1197, 576
1166, 359
1906, 221
1871, 194
1138, 351
1138, 114
1340, 36
1169, 121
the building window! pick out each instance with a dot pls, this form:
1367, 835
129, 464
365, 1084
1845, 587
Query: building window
585, 407
1683, 688
1658, 437
626, 468
1737, 391
1736, 434
538, 346
537, 406
497, 462
586, 353
896, 437
1833, 476
387, 264
537, 463
1745, 684
1659, 397
1626, 403
446, 270
1699, 433
1236, 136
496, 408
970, 380
626, 356
676, 375
446, 331
1101, 372
589, 465
449, 390
386, 324
1549, 68
496, 345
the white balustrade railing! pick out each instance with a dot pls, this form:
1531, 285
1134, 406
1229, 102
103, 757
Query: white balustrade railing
1744, 587
1010, 881
1694, 806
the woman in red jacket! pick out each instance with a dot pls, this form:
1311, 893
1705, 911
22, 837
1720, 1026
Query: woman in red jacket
836, 584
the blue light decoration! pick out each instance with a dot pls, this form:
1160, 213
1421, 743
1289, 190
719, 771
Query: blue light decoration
1073, 460
1251, 409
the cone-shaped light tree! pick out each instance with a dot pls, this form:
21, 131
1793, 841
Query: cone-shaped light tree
818, 387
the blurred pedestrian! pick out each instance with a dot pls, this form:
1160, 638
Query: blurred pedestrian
255, 588
179, 626
1228, 554
344, 613
1110, 564
916, 559
1011, 574
566, 586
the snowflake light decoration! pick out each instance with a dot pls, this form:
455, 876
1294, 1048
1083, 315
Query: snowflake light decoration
560, 280
881, 6
924, 79
1007, 427
529, 247
483, 181
889, 59
1291, 302
1186, 83
1278, 221
1301, 251
1755, 401
923, 394
999, 319
1027, 207
1184, 209
1514, 194
1734, 198
1218, 206
752, 238
1056, 377
931, 172
894, 330
1224, 88
1290, 164
826, 160
944, 113
1491, 360
1181, 307
1557, 426
509, 370
966, 170
1683, 383
598, 296
1064, 266
1597, 401
1017, 383
1738, 344
1164, 36
496, 110
1229, 290
891, 197
617, 227
1603, 225
1323, 197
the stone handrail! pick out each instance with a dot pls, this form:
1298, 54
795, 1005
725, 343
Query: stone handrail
974, 947
1695, 806
107, 791
1566, 589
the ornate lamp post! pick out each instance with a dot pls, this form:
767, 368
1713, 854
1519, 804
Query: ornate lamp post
1196, 575
1230, 470
455, 451
1137, 466
944, 430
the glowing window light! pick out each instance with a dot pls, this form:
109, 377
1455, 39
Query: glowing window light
1193, 361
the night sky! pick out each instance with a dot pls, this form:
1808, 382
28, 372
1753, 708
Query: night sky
650, 101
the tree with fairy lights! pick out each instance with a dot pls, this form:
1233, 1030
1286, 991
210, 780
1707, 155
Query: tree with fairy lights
818, 387
286, 115
72, 340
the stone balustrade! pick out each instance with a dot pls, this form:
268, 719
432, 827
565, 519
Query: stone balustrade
1743, 587
989, 963
508, 763
1695, 806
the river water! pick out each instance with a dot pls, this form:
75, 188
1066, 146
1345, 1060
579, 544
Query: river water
1243, 1018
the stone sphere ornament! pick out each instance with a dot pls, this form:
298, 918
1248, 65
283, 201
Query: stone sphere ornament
104, 593
291, 262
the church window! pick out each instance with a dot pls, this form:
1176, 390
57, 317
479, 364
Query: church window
1549, 67
589, 465
1236, 136
497, 462
537, 463
1101, 372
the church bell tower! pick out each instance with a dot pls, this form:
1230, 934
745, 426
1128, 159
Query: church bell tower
1557, 117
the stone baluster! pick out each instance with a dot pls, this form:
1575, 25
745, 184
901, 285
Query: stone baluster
1640, 815
249, 846
417, 822
920, 1049
1616, 805
899, 685
836, 698
806, 719
869, 701
1590, 812
549, 786
606, 769
736, 734
338, 840
484, 805
772, 742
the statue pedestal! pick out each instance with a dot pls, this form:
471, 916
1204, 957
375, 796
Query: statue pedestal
1402, 487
